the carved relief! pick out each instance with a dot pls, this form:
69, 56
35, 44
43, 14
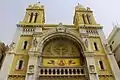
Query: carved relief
61, 47
51, 62
61, 62
31, 68
12, 46
61, 28
34, 42
71, 62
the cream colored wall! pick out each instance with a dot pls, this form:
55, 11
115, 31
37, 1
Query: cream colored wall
14, 69
21, 54
100, 55
99, 45
107, 70
20, 44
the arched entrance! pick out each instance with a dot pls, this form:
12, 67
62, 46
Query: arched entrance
62, 58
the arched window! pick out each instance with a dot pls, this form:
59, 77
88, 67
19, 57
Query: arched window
20, 65
101, 65
88, 18
95, 46
25, 44
31, 16
36, 15
111, 47
83, 16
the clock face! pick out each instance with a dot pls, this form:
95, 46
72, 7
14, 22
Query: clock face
61, 47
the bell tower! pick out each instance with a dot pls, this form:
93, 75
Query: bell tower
34, 14
83, 16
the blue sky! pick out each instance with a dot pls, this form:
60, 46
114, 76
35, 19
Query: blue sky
106, 13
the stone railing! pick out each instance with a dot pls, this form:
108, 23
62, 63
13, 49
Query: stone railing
70, 71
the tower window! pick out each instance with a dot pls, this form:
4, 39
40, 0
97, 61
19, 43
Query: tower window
112, 42
36, 15
25, 44
101, 65
20, 64
95, 45
83, 16
88, 18
31, 16
111, 47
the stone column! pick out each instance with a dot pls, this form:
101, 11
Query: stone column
91, 66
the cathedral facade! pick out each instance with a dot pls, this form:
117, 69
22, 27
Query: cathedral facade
42, 51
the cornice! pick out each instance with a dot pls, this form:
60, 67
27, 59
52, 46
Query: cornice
90, 26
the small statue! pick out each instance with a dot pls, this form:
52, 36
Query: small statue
35, 42
12, 46
107, 46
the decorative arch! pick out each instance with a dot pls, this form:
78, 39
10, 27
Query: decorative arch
60, 34
71, 50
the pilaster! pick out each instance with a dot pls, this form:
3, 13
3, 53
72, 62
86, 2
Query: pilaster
92, 72
32, 70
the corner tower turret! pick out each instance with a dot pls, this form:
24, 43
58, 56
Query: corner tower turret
83, 15
34, 14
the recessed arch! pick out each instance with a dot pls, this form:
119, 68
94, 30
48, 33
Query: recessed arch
55, 59
51, 36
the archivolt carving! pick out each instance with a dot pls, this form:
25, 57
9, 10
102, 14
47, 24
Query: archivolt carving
61, 47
